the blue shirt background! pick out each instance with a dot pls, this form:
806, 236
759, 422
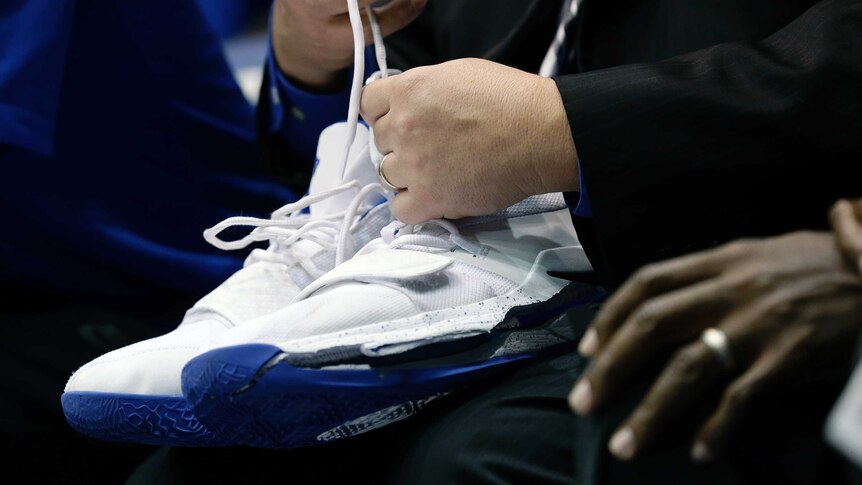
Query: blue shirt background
122, 136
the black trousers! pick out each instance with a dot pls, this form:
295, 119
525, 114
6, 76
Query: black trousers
43, 339
518, 429
515, 429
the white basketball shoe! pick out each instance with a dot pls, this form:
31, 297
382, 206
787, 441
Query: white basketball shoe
134, 393
415, 314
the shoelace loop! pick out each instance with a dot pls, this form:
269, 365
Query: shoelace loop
288, 225
398, 235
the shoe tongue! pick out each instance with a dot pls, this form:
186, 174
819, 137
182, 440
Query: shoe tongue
328, 167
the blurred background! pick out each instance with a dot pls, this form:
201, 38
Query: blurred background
242, 26
126, 129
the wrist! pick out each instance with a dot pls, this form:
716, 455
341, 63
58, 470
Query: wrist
557, 166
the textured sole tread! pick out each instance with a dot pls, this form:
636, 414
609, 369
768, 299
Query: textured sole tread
152, 420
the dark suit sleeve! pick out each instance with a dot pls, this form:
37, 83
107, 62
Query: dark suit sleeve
742, 139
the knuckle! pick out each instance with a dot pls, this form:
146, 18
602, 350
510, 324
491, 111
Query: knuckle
797, 237
763, 280
409, 163
647, 318
751, 280
738, 249
603, 371
687, 365
783, 310
736, 396
407, 83
405, 122
647, 277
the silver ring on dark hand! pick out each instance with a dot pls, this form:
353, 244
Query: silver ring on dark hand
383, 180
719, 344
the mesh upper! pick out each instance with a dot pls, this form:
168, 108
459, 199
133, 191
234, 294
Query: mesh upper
356, 303
536, 204
264, 287
154, 366
459, 284
353, 304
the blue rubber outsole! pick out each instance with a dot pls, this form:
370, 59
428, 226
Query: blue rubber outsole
249, 395
154, 420
248, 399
248, 402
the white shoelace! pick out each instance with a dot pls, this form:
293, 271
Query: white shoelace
421, 237
396, 235
359, 66
288, 225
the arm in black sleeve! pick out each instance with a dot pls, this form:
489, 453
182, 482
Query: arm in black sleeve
737, 140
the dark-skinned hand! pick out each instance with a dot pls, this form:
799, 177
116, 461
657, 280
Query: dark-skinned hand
783, 303
846, 217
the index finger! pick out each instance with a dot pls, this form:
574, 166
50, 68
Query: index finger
374, 102
677, 316
691, 372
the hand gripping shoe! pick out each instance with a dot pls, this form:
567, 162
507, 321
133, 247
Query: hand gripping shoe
133, 393
416, 314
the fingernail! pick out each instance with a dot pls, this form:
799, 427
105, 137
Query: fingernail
622, 444
700, 452
581, 398
589, 344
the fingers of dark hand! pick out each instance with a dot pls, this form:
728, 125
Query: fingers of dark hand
673, 318
690, 373
846, 218
768, 372
654, 280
